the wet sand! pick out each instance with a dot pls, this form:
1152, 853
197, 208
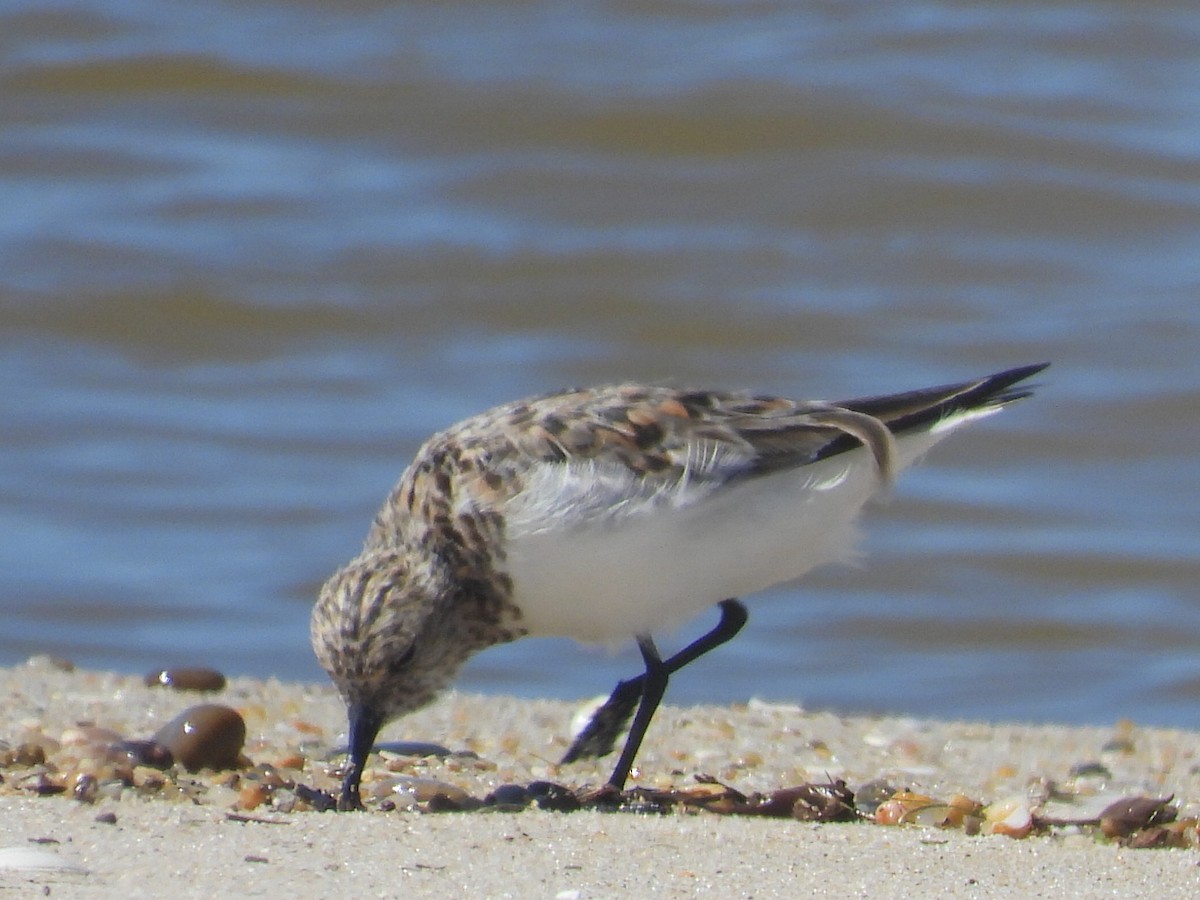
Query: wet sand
193, 834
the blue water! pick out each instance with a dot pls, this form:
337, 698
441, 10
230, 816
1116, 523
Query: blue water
251, 256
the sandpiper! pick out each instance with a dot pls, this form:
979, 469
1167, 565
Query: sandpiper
605, 514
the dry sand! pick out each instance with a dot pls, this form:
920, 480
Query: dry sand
178, 839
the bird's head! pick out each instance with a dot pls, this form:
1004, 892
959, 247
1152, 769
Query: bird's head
381, 629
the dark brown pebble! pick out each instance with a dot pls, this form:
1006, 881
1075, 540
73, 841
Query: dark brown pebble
443, 803
321, 801
1130, 814
26, 754
509, 797
57, 663
1154, 839
146, 753
44, 787
1090, 770
107, 818
269, 776
208, 736
553, 797
187, 679
85, 789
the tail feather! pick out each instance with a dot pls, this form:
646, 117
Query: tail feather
925, 408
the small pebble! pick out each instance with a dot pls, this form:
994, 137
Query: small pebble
1011, 818
148, 779
42, 785
1091, 769
269, 776
509, 796
85, 789
963, 808
208, 736
868, 797
425, 789
186, 679
934, 815
553, 797
54, 663
291, 761
410, 748
893, 810
146, 753
107, 818
252, 796
26, 754
442, 803
1129, 814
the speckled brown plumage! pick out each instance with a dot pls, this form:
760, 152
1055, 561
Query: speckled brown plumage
435, 581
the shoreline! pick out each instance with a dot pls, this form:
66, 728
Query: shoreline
177, 824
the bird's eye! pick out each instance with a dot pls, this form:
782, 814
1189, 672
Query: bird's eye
404, 658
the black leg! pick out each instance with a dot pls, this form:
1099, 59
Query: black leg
733, 617
598, 738
654, 685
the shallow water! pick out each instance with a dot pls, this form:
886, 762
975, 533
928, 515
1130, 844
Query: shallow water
251, 256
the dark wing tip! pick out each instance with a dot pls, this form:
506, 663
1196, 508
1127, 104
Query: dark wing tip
994, 388
987, 392
923, 408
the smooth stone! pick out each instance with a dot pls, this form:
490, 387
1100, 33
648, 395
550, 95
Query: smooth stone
146, 753
1130, 814
208, 736
1091, 770
46, 661
86, 788
410, 748
872, 795
509, 796
425, 789
27, 754
186, 679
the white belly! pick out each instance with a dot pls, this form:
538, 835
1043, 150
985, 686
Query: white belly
638, 574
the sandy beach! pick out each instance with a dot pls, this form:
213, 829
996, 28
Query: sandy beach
86, 820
